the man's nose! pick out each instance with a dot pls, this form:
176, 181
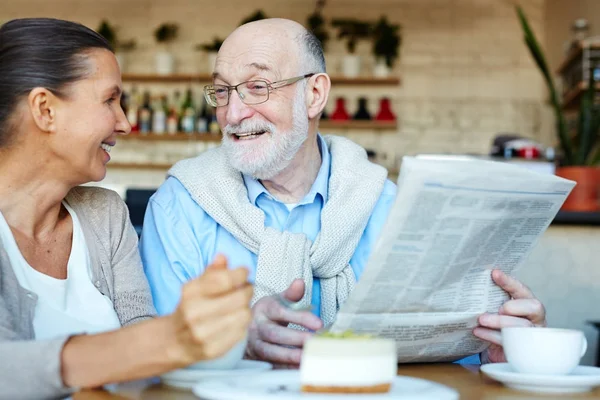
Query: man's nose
237, 111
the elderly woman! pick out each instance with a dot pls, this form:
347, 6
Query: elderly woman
75, 307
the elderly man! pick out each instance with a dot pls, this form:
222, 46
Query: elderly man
301, 211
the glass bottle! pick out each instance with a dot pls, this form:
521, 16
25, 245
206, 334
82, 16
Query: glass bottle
385, 111
133, 110
362, 113
173, 118
188, 113
159, 117
202, 120
145, 118
340, 113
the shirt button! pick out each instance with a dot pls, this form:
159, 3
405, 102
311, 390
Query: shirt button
97, 283
30, 295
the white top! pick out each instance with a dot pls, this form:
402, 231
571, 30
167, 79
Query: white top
65, 306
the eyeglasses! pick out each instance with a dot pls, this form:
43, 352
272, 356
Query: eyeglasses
250, 92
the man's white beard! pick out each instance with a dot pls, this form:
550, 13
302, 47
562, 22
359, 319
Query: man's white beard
272, 152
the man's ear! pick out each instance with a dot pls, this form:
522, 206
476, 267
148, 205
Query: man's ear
318, 87
42, 105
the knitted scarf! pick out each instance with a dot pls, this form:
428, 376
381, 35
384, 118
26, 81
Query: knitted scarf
355, 185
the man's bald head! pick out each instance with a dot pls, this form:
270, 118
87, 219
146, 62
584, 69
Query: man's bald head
283, 40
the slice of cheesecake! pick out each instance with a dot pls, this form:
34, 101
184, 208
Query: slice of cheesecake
348, 363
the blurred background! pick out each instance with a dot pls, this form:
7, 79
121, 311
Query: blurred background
452, 77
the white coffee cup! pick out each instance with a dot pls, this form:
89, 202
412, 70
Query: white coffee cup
543, 351
227, 361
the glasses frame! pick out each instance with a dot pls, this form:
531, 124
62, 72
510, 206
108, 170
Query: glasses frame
270, 87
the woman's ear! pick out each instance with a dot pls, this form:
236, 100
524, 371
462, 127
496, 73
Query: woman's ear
42, 105
318, 87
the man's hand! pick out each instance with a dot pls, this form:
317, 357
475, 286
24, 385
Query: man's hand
523, 309
270, 339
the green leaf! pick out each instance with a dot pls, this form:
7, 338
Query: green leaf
539, 58
585, 125
594, 158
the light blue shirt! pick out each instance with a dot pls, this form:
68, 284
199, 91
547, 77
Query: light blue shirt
179, 239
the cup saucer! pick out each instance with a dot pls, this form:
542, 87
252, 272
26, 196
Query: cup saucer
186, 378
582, 379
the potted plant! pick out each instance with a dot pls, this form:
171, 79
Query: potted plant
120, 48
580, 148
352, 30
211, 49
164, 35
386, 46
316, 24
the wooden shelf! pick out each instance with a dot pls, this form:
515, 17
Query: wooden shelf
571, 98
359, 125
210, 138
574, 54
184, 137
198, 78
152, 78
365, 81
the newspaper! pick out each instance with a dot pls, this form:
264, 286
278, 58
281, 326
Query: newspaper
429, 276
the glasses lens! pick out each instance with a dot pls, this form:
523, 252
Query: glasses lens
220, 94
209, 95
254, 92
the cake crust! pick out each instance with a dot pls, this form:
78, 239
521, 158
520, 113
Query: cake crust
382, 388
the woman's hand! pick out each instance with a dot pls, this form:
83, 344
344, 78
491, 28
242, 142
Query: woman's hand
213, 314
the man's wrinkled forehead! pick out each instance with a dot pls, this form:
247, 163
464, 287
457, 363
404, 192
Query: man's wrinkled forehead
267, 53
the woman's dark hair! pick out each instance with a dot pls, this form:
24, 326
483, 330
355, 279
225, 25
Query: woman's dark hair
41, 52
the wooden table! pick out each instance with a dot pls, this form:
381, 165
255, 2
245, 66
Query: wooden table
467, 380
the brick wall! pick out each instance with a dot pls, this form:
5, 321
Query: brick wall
465, 72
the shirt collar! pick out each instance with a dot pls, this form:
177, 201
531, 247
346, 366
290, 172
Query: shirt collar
320, 185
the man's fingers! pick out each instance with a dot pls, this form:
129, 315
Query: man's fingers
489, 335
494, 321
277, 334
512, 286
277, 354
532, 309
277, 312
295, 291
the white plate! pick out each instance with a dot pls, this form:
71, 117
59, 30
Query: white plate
186, 378
582, 379
285, 384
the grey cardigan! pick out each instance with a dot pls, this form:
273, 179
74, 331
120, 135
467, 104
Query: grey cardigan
31, 369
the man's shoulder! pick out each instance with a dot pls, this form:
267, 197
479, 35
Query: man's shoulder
174, 199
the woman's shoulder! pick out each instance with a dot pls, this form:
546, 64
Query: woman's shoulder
94, 198
102, 208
